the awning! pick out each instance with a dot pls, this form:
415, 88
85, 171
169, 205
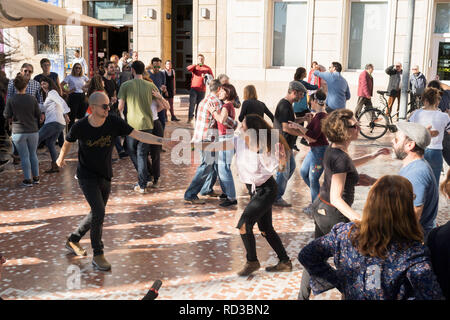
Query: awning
25, 13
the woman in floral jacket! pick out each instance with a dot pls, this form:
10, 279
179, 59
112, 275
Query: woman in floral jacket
380, 258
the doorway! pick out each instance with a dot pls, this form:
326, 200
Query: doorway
440, 66
111, 41
182, 43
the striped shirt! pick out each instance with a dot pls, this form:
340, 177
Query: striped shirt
33, 89
205, 125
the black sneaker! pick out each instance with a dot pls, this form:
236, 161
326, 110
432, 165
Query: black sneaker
228, 203
27, 183
223, 196
175, 119
35, 180
123, 154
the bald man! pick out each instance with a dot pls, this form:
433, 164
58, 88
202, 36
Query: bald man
96, 134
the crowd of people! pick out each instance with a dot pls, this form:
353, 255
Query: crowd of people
393, 250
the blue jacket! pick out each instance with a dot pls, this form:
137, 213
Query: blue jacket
302, 104
338, 90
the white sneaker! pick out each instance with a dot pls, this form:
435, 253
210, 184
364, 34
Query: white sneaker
140, 190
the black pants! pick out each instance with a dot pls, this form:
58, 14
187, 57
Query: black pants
77, 105
194, 99
325, 217
362, 101
259, 210
155, 152
96, 192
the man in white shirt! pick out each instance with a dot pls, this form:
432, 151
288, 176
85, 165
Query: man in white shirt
79, 59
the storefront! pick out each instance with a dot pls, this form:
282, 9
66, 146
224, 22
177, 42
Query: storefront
105, 42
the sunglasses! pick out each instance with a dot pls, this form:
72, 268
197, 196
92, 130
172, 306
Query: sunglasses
27, 71
105, 106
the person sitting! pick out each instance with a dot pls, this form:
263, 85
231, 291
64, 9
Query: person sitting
380, 258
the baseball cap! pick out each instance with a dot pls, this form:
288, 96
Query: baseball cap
416, 132
297, 86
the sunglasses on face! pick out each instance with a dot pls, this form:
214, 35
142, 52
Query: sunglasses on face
27, 71
105, 106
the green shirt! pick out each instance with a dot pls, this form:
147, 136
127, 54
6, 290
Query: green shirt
137, 93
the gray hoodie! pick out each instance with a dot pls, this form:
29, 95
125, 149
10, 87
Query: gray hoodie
417, 83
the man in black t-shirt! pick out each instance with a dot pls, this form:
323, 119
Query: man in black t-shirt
95, 135
283, 114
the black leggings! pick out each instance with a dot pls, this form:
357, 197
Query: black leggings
259, 210
77, 105
325, 217
155, 151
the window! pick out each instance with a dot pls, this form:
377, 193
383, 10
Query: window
368, 29
47, 39
289, 34
115, 11
442, 24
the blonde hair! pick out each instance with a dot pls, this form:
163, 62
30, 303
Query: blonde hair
250, 93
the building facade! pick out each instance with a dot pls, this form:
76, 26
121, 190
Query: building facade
260, 42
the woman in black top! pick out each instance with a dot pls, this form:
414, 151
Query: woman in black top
333, 205
171, 85
252, 105
437, 242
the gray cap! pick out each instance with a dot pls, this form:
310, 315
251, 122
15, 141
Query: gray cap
416, 132
297, 86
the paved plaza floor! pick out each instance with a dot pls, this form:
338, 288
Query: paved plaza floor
194, 249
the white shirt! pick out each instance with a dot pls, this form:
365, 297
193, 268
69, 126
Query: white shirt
154, 110
76, 83
437, 119
83, 63
54, 108
254, 168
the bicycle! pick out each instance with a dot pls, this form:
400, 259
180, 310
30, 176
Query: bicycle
375, 122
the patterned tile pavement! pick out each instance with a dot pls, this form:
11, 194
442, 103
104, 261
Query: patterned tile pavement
195, 250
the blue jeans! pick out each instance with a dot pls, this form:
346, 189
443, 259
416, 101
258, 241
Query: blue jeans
26, 144
49, 133
138, 152
312, 169
204, 176
283, 177
435, 160
225, 176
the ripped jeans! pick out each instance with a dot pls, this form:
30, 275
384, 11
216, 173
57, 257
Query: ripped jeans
312, 169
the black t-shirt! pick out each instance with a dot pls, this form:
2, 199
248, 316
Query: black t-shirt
285, 113
253, 106
337, 161
52, 75
95, 146
437, 243
110, 87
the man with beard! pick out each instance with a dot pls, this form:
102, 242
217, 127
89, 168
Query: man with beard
409, 145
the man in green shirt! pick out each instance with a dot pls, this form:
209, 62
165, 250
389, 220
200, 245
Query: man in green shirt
138, 94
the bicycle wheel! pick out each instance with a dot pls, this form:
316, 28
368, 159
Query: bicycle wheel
374, 123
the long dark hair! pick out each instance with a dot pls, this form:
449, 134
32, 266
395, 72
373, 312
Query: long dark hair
257, 123
300, 73
51, 86
96, 84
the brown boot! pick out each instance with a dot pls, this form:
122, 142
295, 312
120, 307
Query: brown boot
249, 268
53, 168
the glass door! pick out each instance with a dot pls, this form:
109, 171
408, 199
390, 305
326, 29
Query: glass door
443, 62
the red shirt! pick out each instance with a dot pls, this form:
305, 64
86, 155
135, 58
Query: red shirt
197, 76
231, 114
315, 131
